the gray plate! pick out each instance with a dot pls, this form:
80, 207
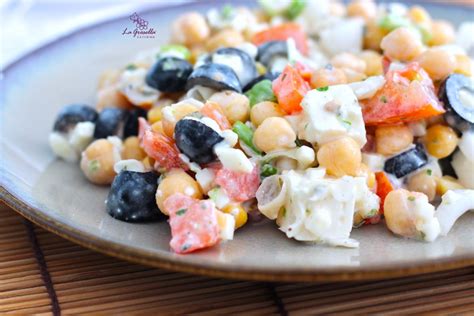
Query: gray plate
55, 195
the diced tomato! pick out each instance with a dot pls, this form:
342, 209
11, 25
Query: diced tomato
304, 71
239, 186
159, 147
384, 186
373, 220
193, 223
215, 112
283, 32
290, 88
386, 64
408, 95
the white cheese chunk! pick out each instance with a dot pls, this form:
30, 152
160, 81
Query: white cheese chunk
219, 197
463, 167
466, 144
62, 148
129, 165
328, 115
454, 203
82, 135
205, 177
233, 159
226, 225
345, 35
367, 88
375, 162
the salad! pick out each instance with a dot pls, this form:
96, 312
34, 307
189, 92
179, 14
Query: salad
320, 116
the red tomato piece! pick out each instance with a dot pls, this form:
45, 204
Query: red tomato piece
193, 223
283, 32
160, 147
290, 88
408, 95
304, 71
384, 186
239, 186
215, 112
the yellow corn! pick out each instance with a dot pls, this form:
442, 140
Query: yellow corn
158, 127
238, 212
154, 115
446, 183
261, 69
463, 65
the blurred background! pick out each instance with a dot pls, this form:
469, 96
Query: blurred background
26, 24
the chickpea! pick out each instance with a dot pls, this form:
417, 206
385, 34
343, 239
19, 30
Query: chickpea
327, 77
190, 29
97, 161
274, 133
225, 38
373, 36
419, 15
398, 214
354, 76
173, 114
350, 61
463, 65
340, 157
235, 105
263, 110
440, 141
176, 181
111, 97
373, 61
390, 140
423, 182
132, 149
442, 33
363, 8
402, 44
109, 78
438, 63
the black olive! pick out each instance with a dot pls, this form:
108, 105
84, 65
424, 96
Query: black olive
132, 197
458, 115
269, 75
406, 162
247, 71
215, 76
270, 50
131, 122
72, 114
110, 123
446, 167
196, 140
169, 74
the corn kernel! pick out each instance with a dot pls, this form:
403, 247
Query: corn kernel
261, 69
463, 65
154, 115
158, 127
446, 183
419, 15
238, 212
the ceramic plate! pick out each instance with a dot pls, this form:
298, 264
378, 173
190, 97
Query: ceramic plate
55, 195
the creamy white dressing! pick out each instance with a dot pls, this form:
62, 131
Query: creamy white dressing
132, 84
331, 114
310, 207
129, 165
69, 146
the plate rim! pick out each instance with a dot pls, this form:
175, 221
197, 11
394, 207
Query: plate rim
140, 256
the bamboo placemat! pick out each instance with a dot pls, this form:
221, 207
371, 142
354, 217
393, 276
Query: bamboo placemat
42, 273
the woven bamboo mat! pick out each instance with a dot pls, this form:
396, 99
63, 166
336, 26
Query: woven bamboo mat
75, 280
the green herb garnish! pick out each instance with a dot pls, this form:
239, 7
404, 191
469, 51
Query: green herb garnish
268, 170
429, 172
383, 99
326, 88
245, 133
411, 198
261, 91
295, 8
181, 211
227, 11
94, 165
130, 67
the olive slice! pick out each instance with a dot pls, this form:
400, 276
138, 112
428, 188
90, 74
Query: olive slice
72, 114
406, 162
269, 51
245, 69
215, 76
457, 94
169, 74
269, 75
110, 123
132, 197
196, 140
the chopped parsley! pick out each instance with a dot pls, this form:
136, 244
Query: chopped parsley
429, 172
181, 211
326, 88
268, 170
283, 212
383, 99
411, 198
131, 67
94, 165
227, 12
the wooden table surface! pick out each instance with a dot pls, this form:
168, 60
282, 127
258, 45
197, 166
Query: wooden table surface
42, 273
